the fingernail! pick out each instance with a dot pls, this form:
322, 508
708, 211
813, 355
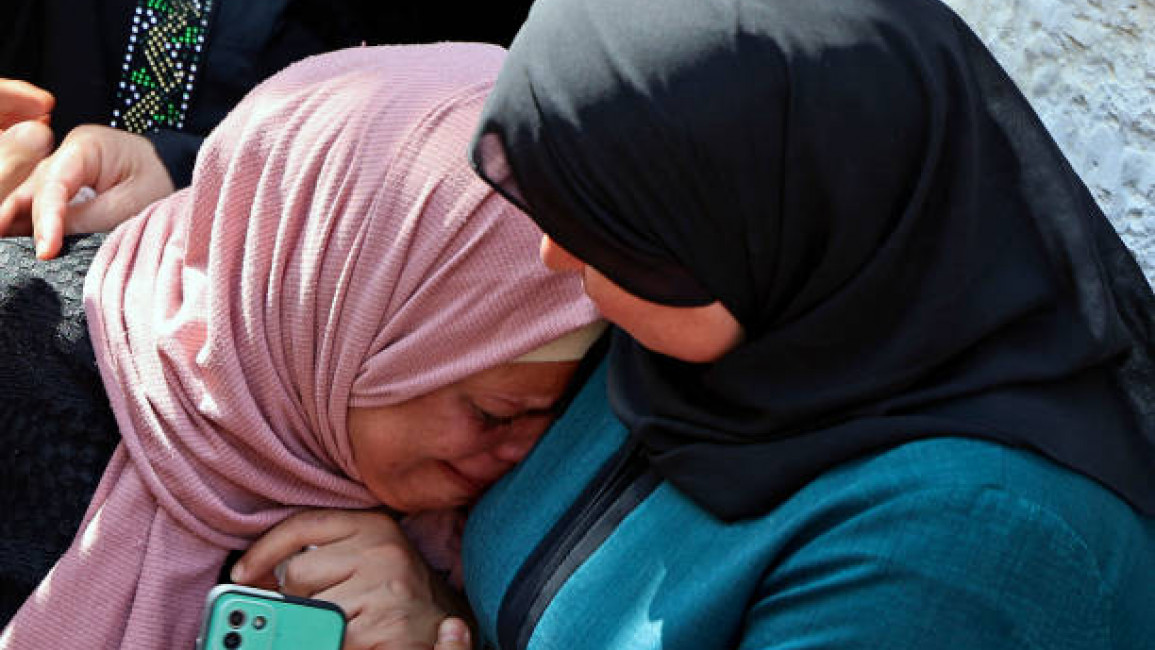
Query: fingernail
41, 247
453, 630
237, 574
279, 573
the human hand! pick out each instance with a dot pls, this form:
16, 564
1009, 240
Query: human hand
21, 101
22, 147
362, 562
123, 168
25, 138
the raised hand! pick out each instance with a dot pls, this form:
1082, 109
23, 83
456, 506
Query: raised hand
122, 168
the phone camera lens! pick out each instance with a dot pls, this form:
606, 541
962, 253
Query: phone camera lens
232, 640
236, 619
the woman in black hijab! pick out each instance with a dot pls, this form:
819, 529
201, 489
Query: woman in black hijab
866, 192
831, 232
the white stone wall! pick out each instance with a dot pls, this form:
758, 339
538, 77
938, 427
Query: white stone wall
1088, 68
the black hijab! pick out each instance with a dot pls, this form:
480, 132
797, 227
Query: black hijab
865, 189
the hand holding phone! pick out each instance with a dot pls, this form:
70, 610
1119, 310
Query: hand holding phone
362, 561
245, 618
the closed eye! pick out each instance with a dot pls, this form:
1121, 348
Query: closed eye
491, 420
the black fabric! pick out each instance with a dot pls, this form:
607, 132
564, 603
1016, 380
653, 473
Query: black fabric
19, 58
865, 189
57, 428
75, 49
178, 152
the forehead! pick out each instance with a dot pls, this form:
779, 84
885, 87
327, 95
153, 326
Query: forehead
531, 382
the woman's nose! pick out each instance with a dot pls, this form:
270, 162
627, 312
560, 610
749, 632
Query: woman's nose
557, 258
514, 449
492, 463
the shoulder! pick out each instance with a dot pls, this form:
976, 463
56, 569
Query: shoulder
945, 475
961, 542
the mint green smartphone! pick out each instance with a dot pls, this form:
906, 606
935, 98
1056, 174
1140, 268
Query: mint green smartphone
245, 618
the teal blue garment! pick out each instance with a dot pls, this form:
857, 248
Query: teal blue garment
940, 543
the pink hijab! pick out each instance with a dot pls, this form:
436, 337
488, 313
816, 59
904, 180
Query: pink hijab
334, 250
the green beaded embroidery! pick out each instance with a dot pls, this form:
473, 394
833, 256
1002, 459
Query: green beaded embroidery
161, 64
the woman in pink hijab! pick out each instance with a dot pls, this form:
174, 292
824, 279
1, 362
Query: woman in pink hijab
335, 314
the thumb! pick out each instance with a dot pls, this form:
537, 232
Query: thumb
452, 634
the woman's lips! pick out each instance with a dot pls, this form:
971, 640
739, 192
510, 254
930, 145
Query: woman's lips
475, 486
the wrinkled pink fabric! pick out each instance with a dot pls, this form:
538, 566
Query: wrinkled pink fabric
334, 249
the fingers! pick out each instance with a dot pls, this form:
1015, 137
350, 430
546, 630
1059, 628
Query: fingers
286, 539
453, 634
371, 559
72, 167
122, 168
401, 632
21, 149
21, 101
364, 563
393, 612
389, 573
313, 570
39, 203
